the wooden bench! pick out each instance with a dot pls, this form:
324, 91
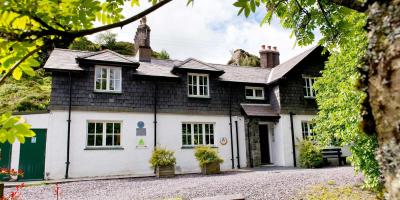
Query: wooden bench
334, 153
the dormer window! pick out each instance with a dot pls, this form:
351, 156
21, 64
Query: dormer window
309, 91
198, 85
255, 93
107, 79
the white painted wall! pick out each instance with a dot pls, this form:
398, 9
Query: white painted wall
131, 160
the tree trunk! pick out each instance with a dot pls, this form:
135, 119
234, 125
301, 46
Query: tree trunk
383, 80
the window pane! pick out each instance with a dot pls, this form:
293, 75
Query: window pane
109, 141
99, 140
97, 73
117, 140
99, 128
91, 127
112, 73
104, 73
90, 141
259, 93
117, 128
98, 84
117, 74
109, 128
112, 85
201, 134
117, 86
201, 92
104, 84
249, 92
205, 90
206, 80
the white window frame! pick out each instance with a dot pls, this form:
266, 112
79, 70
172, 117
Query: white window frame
197, 86
310, 92
203, 134
254, 97
108, 79
307, 129
104, 134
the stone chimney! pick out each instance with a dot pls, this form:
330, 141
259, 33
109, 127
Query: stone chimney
269, 57
142, 42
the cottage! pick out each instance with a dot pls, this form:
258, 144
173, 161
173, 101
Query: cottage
108, 112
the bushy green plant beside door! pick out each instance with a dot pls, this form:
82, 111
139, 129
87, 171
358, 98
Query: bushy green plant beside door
310, 154
209, 159
163, 161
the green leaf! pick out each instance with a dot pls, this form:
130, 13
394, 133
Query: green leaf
17, 73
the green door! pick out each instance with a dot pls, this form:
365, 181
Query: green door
5, 159
32, 155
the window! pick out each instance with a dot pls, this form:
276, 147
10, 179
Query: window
198, 85
254, 92
307, 129
309, 91
197, 134
104, 134
107, 79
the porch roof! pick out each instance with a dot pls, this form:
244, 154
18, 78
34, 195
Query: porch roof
259, 110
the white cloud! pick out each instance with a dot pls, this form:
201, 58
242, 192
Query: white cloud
209, 31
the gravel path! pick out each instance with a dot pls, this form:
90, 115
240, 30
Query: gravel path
281, 183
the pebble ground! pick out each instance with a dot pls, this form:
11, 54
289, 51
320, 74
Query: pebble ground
264, 183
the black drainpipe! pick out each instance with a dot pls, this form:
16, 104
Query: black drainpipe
69, 125
249, 144
293, 143
155, 113
230, 125
237, 145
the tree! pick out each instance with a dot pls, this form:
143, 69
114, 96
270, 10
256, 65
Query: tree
380, 71
163, 55
84, 44
30, 27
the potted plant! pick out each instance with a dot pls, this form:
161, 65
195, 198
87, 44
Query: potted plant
209, 160
163, 161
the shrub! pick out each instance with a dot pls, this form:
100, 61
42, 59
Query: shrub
162, 158
206, 155
310, 155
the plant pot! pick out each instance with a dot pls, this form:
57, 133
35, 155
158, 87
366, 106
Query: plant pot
212, 168
165, 171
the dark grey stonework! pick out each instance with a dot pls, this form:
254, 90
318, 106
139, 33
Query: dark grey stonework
138, 95
291, 87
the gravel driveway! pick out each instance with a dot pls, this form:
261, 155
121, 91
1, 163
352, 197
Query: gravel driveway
267, 183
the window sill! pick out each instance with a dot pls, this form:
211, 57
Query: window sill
309, 97
104, 148
199, 97
192, 147
256, 99
106, 92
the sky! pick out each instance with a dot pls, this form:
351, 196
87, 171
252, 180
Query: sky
210, 30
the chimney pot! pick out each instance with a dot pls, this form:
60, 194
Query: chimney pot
269, 47
269, 57
263, 47
275, 48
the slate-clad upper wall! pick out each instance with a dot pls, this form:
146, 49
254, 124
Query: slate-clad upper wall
138, 95
291, 87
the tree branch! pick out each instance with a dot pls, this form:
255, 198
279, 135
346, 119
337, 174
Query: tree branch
119, 24
9, 72
354, 4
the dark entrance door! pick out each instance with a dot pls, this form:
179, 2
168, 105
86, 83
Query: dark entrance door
5, 158
264, 144
32, 154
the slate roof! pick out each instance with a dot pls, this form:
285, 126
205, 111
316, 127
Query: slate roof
108, 56
259, 110
282, 69
65, 59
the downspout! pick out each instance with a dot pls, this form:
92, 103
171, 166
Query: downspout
155, 113
69, 125
230, 125
237, 144
293, 142
249, 144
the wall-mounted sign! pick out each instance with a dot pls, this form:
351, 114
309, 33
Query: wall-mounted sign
140, 130
141, 143
223, 141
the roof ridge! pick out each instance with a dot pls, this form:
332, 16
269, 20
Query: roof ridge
106, 50
199, 61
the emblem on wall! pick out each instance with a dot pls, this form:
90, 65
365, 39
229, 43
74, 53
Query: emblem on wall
140, 133
223, 141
